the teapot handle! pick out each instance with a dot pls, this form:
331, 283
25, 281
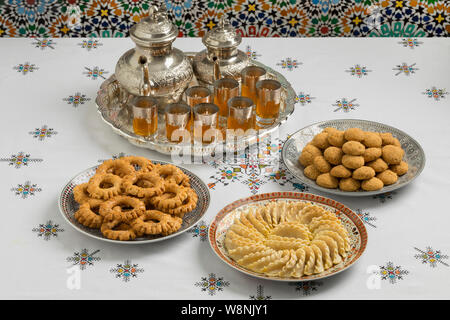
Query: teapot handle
146, 86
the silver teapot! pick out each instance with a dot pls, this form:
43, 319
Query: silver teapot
221, 55
154, 67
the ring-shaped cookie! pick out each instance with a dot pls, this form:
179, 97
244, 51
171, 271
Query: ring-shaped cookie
112, 209
170, 173
173, 197
156, 222
118, 229
188, 204
88, 214
81, 194
117, 167
140, 164
95, 186
152, 184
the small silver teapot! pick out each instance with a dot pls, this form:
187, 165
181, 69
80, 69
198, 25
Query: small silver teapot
154, 67
221, 49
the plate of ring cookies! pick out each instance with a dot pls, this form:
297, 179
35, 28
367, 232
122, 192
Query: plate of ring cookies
288, 236
353, 157
134, 200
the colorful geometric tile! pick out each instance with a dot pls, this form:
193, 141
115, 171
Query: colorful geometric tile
431, 257
212, 284
126, 271
26, 189
48, 230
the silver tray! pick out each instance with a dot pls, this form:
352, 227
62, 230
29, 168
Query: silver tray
414, 155
68, 206
111, 104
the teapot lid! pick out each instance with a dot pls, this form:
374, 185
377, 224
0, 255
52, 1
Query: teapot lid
222, 37
154, 29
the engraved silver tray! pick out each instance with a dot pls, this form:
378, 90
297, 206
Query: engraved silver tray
112, 100
68, 206
414, 154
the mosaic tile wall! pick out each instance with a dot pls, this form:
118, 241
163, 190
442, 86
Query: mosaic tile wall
261, 18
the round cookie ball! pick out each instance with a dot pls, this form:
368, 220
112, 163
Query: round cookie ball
311, 172
372, 184
378, 165
397, 143
388, 177
352, 162
329, 130
349, 184
333, 155
321, 140
372, 140
308, 154
326, 180
392, 154
353, 148
400, 169
386, 138
340, 172
363, 173
354, 134
336, 138
321, 164
371, 154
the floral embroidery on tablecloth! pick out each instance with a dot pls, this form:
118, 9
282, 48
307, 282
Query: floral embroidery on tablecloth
26, 189
260, 294
306, 288
405, 69
410, 43
303, 98
392, 273
25, 68
95, 72
345, 105
358, 71
366, 217
383, 197
431, 257
252, 54
44, 43
289, 64
42, 133
90, 44
84, 258
212, 284
435, 93
48, 230
200, 230
77, 99
20, 160
126, 271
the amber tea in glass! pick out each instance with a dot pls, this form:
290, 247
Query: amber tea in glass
224, 90
241, 113
206, 120
145, 116
177, 116
250, 76
267, 102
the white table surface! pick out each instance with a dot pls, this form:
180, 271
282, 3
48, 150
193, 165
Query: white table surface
399, 225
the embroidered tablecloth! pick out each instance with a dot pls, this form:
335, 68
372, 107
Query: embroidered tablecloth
51, 131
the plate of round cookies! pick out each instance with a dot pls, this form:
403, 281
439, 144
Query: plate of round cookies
134, 200
353, 157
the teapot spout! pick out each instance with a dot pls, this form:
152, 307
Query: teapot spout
146, 85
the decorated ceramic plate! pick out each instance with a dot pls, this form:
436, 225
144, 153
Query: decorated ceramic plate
68, 206
414, 155
351, 221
